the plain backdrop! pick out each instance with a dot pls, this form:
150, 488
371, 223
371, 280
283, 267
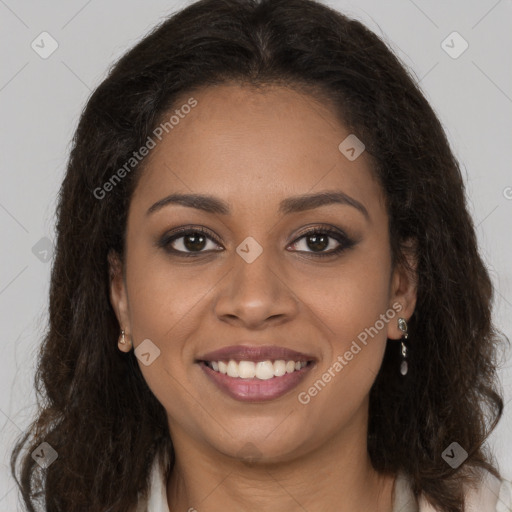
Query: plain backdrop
41, 99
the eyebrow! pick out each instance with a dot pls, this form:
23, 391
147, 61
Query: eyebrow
289, 205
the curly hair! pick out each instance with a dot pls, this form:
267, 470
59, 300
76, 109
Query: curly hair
95, 408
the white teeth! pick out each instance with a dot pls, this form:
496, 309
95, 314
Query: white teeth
262, 370
279, 368
223, 367
246, 369
232, 369
290, 366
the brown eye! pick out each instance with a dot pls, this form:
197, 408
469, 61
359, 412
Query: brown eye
317, 242
193, 242
189, 242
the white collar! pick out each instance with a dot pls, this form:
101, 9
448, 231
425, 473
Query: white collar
156, 500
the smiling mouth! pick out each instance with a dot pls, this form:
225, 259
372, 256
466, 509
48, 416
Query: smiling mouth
255, 373
262, 370
256, 381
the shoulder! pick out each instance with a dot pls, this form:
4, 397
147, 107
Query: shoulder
491, 495
504, 503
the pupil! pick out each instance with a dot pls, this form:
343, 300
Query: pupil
196, 242
318, 242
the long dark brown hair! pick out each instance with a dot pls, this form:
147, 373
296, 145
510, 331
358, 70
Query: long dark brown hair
95, 408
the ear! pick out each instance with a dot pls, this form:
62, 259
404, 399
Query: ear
118, 294
403, 291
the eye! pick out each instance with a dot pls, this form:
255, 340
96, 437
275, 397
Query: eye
189, 242
320, 239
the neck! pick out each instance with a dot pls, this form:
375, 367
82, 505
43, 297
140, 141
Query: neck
336, 476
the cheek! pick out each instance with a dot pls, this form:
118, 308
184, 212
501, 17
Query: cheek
357, 306
350, 298
164, 308
355, 313
162, 297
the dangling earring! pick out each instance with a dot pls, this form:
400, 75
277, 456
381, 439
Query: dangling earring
122, 340
402, 325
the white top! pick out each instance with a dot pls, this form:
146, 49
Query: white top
493, 495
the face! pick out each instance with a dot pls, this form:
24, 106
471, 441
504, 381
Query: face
256, 268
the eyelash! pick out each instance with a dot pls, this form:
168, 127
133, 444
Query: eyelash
344, 241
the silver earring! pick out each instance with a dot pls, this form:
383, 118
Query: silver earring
402, 325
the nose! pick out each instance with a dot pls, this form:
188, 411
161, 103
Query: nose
255, 294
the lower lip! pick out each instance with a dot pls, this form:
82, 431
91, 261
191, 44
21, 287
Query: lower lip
256, 390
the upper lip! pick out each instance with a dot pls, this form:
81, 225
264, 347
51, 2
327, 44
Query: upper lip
255, 353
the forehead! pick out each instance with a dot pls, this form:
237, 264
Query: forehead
246, 144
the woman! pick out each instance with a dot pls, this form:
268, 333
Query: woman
267, 292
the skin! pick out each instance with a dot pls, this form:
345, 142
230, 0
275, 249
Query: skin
253, 149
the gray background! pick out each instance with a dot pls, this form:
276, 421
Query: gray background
41, 99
